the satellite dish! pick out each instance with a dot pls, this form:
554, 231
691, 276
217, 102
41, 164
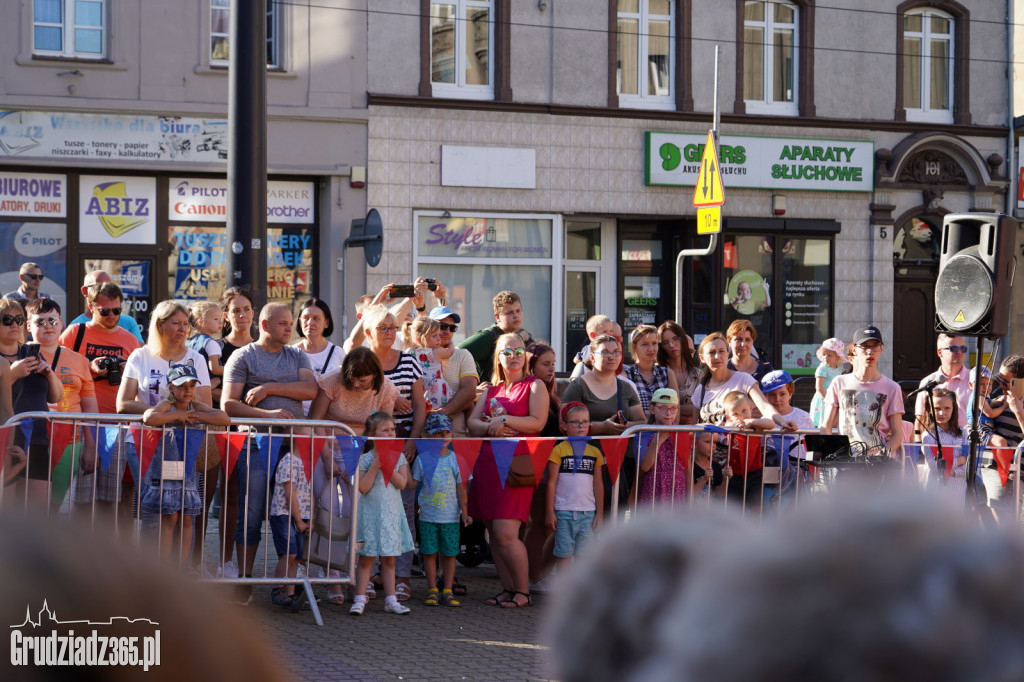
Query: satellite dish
368, 233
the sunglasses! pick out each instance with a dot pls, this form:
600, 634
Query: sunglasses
956, 349
12, 320
449, 327
46, 321
107, 312
509, 352
37, 278
608, 353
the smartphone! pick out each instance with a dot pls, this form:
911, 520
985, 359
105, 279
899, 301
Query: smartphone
403, 291
620, 418
32, 349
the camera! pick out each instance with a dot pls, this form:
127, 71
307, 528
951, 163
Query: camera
431, 283
113, 367
403, 291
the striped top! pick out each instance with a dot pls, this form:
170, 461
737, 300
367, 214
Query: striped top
403, 376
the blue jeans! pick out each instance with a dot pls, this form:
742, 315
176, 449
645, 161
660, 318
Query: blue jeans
252, 498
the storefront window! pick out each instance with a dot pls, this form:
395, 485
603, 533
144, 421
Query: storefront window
42, 243
748, 269
135, 278
582, 240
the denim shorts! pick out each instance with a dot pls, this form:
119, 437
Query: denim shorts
573, 530
287, 540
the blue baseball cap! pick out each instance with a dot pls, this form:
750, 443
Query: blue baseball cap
436, 423
774, 380
443, 311
180, 374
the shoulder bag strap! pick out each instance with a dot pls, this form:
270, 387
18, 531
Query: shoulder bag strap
328, 360
79, 337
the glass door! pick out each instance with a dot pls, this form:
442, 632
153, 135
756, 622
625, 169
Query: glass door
580, 304
135, 276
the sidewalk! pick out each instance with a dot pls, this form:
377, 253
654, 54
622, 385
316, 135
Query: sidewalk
474, 642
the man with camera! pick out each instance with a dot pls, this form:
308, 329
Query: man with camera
107, 347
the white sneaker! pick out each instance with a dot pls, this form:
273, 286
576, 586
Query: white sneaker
301, 571
396, 607
228, 571
357, 608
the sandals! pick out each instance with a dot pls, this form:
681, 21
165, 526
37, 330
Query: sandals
371, 591
500, 598
432, 597
278, 597
511, 602
403, 592
457, 587
336, 599
448, 599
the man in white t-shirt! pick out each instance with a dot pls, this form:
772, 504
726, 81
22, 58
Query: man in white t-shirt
954, 376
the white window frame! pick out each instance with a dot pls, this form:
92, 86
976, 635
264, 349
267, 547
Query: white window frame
768, 105
67, 31
274, 25
461, 89
644, 100
925, 35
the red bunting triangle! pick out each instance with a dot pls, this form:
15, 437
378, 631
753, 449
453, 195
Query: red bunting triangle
684, 447
744, 454
5, 437
539, 450
948, 456
1004, 459
466, 452
308, 449
388, 450
614, 450
230, 444
61, 434
146, 441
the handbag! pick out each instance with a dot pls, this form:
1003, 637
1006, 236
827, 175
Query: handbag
520, 472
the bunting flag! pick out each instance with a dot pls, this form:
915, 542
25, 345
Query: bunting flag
614, 450
744, 454
643, 439
579, 446
912, 452
782, 444
683, 442
230, 444
428, 451
503, 451
61, 434
949, 455
146, 441
351, 447
106, 444
5, 438
308, 449
269, 448
388, 451
466, 452
189, 442
539, 450
27, 427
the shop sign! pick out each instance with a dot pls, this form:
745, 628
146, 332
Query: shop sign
33, 195
484, 237
118, 210
111, 137
762, 162
206, 200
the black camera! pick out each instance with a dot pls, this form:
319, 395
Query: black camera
113, 367
431, 283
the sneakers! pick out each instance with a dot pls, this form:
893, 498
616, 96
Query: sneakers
228, 570
357, 607
396, 607
278, 597
448, 599
432, 597
242, 595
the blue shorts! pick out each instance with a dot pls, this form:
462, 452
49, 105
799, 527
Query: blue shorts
287, 540
435, 537
573, 530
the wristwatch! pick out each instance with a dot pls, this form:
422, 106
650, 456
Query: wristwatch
504, 420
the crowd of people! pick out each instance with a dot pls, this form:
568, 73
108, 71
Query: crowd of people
399, 374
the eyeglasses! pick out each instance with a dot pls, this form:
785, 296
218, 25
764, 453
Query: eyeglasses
388, 330
449, 327
671, 407
509, 352
107, 312
608, 353
46, 321
577, 424
956, 349
12, 320
37, 278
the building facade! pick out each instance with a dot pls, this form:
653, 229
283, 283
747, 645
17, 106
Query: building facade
552, 148
113, 145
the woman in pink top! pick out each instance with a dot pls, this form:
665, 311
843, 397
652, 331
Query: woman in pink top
354, 392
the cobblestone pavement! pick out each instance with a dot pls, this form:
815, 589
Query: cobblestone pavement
474, 642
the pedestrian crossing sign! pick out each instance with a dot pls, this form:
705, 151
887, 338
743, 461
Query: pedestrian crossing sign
709, 190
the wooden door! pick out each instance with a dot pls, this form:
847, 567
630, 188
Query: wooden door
914, 335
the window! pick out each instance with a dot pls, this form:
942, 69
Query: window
69, 28
220, 30
928, 65
770, 62
645, 68
461, 44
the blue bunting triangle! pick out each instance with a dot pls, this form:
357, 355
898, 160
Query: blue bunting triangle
351, 447
26, 430
782, 443
429, 452
912, 452
714, 428
643, 439
503, 451
189, 442
579, 446
269, 448
106, 444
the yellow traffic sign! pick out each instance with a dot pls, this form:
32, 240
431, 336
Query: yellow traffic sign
709, 190
709, 220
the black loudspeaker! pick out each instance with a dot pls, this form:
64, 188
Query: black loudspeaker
976, 267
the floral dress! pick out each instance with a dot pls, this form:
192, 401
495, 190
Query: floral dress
435, 388
382, 527
666, 480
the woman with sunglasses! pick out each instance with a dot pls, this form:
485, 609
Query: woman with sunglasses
33, 385
79, 390
515, 405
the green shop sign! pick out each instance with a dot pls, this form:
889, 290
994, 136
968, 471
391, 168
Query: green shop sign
762, 162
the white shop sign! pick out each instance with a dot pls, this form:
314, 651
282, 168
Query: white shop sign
762, 162
111, 137
33, 195
117, 210
206, 200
